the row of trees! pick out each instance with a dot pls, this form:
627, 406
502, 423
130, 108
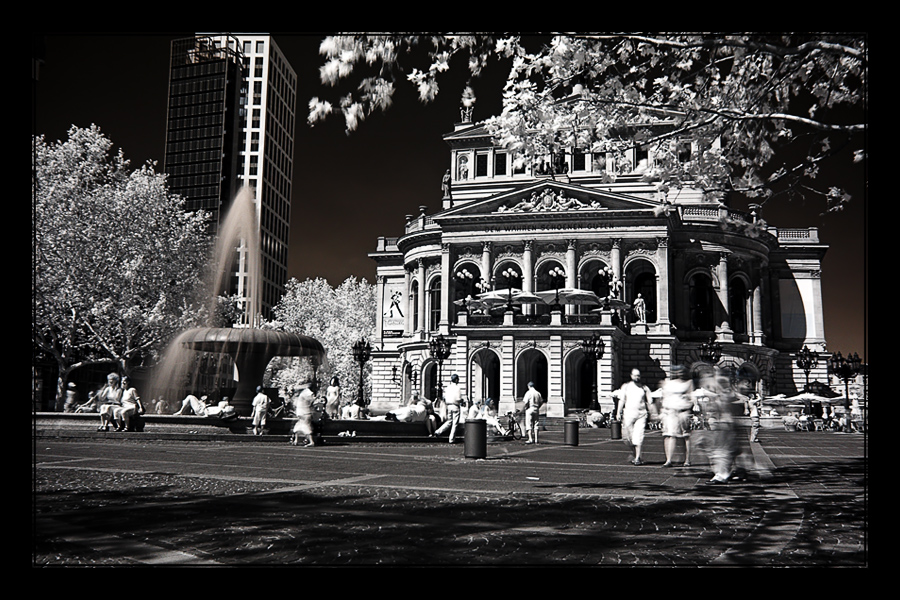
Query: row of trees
120, 267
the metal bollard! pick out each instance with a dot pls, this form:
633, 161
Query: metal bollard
571, 431
615, 430
476, 438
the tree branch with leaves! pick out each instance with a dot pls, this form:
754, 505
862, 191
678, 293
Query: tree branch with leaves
762, 110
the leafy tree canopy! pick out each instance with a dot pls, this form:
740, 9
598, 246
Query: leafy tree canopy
116, 258
741, 99
337, 317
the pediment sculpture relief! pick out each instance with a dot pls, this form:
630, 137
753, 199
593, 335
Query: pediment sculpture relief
548, 200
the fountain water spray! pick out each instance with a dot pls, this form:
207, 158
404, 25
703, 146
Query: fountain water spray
246, 350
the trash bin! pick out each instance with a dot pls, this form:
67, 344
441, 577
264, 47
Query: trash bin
571, 431
476, 438
615, 430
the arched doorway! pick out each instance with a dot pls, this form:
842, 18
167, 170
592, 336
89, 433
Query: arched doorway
429, 380
485, 373
578, 381
531, 365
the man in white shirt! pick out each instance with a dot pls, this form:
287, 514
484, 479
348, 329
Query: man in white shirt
632, 412
532, 402
453, 397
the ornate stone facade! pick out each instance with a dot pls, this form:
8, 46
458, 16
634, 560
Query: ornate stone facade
702, 270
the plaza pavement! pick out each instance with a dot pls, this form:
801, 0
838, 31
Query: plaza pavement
426, 504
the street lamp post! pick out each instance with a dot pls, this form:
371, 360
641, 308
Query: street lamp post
557, 275
807, 360
510, 274
467, 280
362, 351
593, 350
440, 351
846, 369
711, 351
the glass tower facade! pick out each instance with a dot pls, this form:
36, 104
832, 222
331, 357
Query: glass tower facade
232, 106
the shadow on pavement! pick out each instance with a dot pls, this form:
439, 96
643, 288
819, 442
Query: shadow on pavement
824, 523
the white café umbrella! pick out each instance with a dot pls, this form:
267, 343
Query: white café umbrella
569, 296
613, 303
471, 304
809, 397
509, 296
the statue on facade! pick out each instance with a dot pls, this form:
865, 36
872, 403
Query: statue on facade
640, 309
445, 184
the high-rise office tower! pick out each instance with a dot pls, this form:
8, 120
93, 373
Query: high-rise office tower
232, 102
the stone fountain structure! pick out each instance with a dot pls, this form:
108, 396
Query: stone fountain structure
250, 348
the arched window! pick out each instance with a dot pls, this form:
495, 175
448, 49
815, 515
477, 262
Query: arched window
700, 301
737, 305
434, 299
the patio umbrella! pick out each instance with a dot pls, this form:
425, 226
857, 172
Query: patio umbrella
471, 304
613, 303
569, 296
509, 296
808, 397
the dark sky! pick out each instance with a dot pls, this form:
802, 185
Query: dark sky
348, 190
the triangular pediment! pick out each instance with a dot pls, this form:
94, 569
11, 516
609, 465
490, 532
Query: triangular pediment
549, 197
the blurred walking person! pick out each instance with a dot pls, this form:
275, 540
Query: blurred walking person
676, 414
303, 408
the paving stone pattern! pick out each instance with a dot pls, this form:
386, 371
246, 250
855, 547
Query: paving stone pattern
583, 506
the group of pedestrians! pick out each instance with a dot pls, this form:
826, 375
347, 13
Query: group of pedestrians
726, 445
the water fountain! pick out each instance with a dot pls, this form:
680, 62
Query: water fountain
248, 348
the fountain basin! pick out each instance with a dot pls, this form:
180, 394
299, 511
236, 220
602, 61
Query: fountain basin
252, 350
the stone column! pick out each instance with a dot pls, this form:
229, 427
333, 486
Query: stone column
555, 373
528, 275
423, 317
444, 324
486, 265
662, 284
571, 270
507, 402
723, 327
757, 336
615, 257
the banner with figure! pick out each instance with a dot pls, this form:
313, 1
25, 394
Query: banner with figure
394, 304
